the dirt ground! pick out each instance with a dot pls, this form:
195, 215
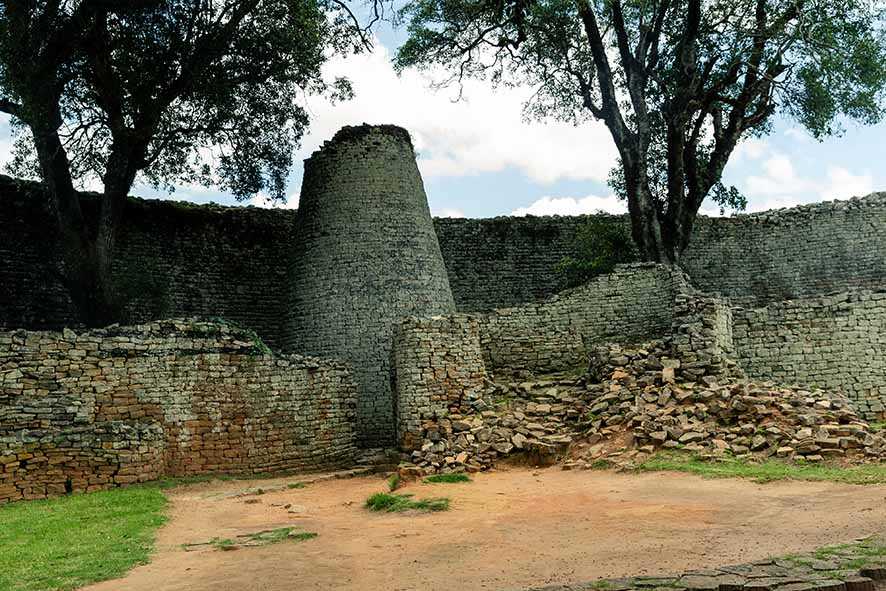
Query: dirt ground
506, 530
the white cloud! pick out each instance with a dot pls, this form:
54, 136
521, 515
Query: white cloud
483, 133
781, 186
572, 206
263, 200
448, 213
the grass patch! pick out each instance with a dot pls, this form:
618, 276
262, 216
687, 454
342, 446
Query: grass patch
261, 538
68, 542
451, 478
878, 427
393, 503
296, 485
601, 464
394, 482
766, 471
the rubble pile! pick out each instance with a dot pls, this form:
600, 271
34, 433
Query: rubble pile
634, 401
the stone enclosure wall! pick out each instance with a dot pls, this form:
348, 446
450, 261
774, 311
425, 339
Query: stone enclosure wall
80, 412
835, 342
632, 304
753, 259
174, 259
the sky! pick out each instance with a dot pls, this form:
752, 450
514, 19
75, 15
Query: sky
479, 157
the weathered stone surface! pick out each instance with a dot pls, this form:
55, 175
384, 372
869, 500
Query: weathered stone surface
82, 412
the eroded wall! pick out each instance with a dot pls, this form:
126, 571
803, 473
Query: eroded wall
81, 412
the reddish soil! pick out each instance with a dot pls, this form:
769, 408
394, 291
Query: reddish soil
506, 530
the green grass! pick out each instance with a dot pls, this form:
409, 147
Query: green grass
451, 478
68, 542
393, 503
846, 556
281, 534
766, 471
295, 485
394, 482
877, 427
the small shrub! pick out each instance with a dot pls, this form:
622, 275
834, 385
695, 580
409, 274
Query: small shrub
393, 503
448, 478
394, 482
600, 245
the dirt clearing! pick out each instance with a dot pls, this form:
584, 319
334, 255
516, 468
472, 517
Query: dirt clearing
506, 530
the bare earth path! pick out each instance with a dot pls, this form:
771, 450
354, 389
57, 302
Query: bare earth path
506, 530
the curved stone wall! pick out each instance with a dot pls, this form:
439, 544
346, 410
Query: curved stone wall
366, 256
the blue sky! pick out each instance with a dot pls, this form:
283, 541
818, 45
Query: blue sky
479, 158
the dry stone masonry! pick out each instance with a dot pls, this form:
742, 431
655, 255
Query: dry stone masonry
439, 335
367, 256
834, 342
634, 303
81, 412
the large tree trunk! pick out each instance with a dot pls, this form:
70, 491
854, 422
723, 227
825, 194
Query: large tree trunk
79, 268
645, 225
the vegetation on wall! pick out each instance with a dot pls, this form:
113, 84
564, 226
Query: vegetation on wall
600, 245
678, 83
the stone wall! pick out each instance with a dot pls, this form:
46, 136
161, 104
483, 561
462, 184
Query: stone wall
753, 259
634, 303
365, 256
505, 261
437, 365
174, 260
81, 412
835, 342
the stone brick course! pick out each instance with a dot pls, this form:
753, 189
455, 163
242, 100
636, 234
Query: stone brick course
634, 303
102, 408
437, 366
835, 342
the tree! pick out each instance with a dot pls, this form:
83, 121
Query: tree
172, 90
678, 83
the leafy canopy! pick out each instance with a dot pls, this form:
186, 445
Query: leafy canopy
678, 82
186, 91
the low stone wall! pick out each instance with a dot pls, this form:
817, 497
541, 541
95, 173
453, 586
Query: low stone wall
437, 365
701, 335
834, 342
633, 303
81, 412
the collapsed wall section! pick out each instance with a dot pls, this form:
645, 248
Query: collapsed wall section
81, 412
366, 256
633, 303
833, 342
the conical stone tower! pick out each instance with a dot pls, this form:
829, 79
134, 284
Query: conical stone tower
366, 255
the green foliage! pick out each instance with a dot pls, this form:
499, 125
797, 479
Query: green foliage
450, 478
201, 92
296, 485
678, 84
65, 543
393, 503
877, 427
394, 482
766, 471
600, 245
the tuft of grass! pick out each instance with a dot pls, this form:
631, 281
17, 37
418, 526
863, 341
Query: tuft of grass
393, 503
601, 464
450, 478
68, 542
261, 538
394, 482
295, 485
877, 427
765, 471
